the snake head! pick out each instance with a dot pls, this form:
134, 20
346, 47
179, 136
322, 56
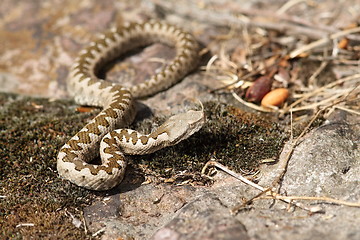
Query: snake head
183, 125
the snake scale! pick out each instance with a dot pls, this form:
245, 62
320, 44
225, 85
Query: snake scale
99, 136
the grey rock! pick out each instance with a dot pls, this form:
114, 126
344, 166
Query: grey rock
325, 164
204, 218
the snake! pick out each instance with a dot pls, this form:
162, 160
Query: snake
106, 135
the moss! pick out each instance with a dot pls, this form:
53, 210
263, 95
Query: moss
235, 138
31, 132
38, 221
33, 129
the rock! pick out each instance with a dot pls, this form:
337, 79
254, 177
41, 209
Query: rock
166, 212
203, 218
325, 163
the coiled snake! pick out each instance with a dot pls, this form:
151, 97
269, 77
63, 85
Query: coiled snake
73, 162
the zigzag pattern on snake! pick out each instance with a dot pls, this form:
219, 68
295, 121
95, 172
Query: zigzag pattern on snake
73, 162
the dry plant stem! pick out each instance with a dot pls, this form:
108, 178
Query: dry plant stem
313, 77
237, 208
325, 199
283, 164
317, 104
251, 105
313, 93
270, 194
84, 223
235, 175
348, 110
262, 189
288, 5
236, 78
323, 41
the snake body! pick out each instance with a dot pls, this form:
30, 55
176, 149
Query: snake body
99, 135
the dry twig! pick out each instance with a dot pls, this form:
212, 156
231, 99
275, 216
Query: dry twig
269, 193
321, 89
283, 164
322, 41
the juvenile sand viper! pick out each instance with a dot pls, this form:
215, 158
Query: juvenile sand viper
99, 135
